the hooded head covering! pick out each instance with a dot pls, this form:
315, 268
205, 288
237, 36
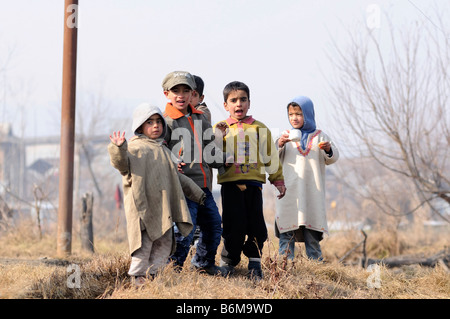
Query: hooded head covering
142, 113
309, 122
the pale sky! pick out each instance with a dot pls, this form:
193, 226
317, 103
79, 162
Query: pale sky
125, 48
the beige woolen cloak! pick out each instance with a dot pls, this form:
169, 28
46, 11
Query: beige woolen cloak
304, 177
154, 190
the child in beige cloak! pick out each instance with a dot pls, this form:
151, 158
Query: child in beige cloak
154, 192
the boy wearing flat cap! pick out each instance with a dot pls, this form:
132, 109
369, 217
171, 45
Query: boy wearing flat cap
190, 138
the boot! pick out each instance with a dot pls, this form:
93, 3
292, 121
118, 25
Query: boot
254, 270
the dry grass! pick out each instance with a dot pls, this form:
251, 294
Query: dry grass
104, 275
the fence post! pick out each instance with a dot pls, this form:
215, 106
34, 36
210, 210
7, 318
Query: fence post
86, 227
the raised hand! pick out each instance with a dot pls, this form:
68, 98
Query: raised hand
117, 138
326, 146
283, 140
221, 129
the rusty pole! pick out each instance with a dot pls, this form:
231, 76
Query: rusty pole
64, 240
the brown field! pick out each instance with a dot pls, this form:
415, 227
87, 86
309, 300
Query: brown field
29, 269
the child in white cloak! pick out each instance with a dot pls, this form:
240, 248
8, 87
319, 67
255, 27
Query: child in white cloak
301, 214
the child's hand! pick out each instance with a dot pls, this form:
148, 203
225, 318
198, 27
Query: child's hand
283, 140
117, 139
282, 190
221, 129
326, 146
180, 166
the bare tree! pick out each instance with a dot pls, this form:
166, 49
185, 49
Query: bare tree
390, 97
92, 120
96, 117
39, 197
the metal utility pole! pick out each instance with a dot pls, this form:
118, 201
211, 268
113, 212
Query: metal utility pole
67, 144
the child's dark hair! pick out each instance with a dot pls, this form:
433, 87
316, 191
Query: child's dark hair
235, 86
293, 104
200, 84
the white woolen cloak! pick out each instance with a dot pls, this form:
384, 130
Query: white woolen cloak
304, 177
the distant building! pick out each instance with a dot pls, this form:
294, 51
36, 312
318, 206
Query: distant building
12, 162
34, 162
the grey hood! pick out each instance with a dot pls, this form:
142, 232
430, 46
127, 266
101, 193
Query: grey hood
142, 113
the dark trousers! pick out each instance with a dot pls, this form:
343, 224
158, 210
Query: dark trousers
244, 228
208, 218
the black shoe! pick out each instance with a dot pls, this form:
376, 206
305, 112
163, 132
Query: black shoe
255, 275
228, 269
177, 268
213, 270
255, 271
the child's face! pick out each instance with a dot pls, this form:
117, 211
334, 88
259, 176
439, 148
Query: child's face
196, 98
237, 104
180, 97
153, 127
295, 114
